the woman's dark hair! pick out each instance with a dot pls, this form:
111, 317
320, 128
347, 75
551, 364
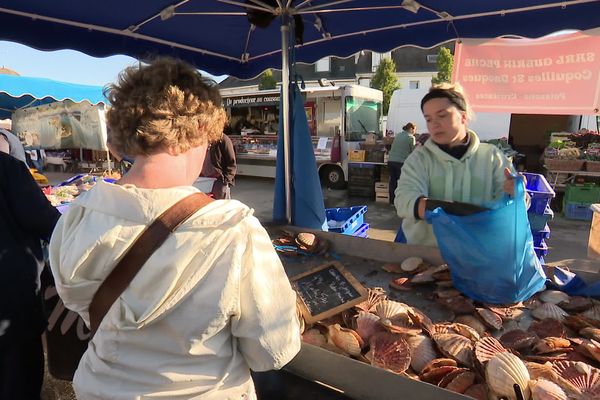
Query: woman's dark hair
409, 126
453, 93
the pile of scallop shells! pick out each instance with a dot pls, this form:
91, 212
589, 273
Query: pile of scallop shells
549, 345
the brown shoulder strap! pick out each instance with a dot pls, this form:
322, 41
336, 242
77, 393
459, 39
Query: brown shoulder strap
140, 251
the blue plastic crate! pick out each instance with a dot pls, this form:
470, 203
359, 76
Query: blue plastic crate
345, 220
542, 261
580, 211
540, 235
540, 192
362, 231
537, 222
541, 250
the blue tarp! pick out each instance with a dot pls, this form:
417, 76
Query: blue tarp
217, 37
308, 209
20, 91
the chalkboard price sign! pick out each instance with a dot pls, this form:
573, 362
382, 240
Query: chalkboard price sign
327, 290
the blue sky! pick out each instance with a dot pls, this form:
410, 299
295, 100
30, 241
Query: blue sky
63, 65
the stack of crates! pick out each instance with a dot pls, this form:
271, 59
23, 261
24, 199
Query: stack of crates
348, 221
361, 179
539, 212
578, 199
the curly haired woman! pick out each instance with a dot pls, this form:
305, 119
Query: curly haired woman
213, 301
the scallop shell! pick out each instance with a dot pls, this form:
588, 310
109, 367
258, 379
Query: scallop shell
503, 371
388, 309
461, 382
422, 351
576, 304
546, 390
411, 264
437, 363
315, 337
472, 322
549, 310
455, 327
346, 339
450, 377
593, 313
508, 313
401, 284
375, 296
447, 293
435, 375
541, 371
518, 339
554, 296
308, 240
532, 303
389, 351
590, 333
455, 346
486, 348
367, 324
491, 319
547, 327
458, 304
400, 326
423, 277
581, 376
550, 345
590, 348
478, 391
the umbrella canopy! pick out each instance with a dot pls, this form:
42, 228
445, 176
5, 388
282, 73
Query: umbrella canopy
19, 91
216, 35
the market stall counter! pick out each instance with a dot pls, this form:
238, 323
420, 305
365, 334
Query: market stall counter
379, 264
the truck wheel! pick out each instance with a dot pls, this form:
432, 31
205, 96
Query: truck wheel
333, 176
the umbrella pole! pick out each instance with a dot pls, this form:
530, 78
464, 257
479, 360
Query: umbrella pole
285, 85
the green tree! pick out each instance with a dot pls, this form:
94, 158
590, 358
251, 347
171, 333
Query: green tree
445, 62
267, 81
385, 79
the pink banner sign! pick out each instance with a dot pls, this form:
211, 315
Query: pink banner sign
552, 75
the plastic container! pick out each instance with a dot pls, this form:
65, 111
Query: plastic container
541, 250
345, 220
540, 192
537, 222
584, 194
579, 211
362, 231
540, 235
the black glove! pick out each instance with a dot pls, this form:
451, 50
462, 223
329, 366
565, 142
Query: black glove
454, 207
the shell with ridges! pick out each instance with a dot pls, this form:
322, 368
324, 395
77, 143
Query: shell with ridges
581, 376
422, 351
576, 304
375, 296
518, 339
388, 309
437, 363
479, 391
346, 339
543, 389
593, 313
411, 264
450, 377
367, 324
472, 322
315, 337
389, 351
547, 327
455, 346
503, 371
462, 382
549, 310
551, 344
486, 348
554, 296
492, 319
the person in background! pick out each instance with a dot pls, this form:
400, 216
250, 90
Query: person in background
451, 166
403, 145
26, 218
220, 163
15, 147
213, 301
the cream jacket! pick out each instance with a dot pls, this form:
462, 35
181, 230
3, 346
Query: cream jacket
210, 304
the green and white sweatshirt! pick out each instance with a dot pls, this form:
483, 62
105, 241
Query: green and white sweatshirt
476, 178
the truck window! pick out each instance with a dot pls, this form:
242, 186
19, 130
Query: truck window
362, 118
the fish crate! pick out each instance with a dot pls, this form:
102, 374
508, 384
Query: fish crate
537, 222
362, 231
586, 194
345, 220
578, 211
540, 192
539, 236
541, 250
382, 197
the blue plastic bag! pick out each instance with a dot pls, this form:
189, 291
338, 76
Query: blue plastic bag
490, 254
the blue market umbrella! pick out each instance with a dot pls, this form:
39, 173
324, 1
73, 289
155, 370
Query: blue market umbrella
217, 36
307, 199
21, 91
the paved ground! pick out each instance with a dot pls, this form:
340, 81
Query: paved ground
568, 239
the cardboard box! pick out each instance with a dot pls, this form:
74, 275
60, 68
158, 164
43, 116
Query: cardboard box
594, 241
381, 197
382, 186
356, 155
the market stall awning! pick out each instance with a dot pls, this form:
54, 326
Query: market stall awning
217, 36
18, 92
